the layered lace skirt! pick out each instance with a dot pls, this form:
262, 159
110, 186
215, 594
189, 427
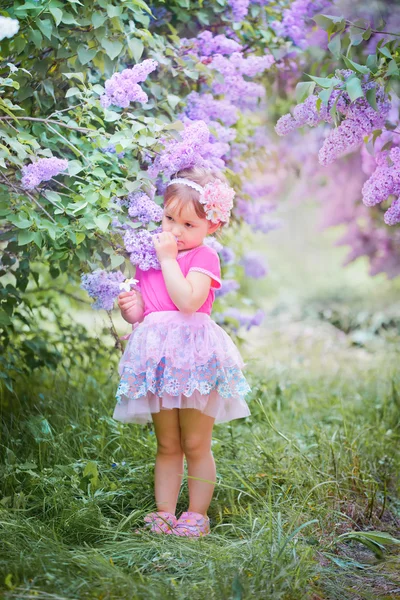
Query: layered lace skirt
173, 360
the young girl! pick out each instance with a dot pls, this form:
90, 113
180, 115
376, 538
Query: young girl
180, 369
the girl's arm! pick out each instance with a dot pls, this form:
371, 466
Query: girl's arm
131, 306
189, 293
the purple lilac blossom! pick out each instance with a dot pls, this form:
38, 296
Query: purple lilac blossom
360, 119
205, 107
141, 248
243, 319
240, 92
295, 22
42, 170
384, 181
103, 286
227, 286
122, 88
8, 27
227, 255
256, 214
194, 148
213, 243
239, 9
205, 44
254, 265
110, 149
392, 215
142, 208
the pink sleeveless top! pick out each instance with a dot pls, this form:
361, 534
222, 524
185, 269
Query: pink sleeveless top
154, 291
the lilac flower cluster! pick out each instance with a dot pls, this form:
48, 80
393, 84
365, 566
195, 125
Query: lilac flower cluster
226, 254
141, 248
110, 149
243, 319
42, 170
103, 286
8, 27
294, 24
205, 107
384, 182
227, 286
205, 45
379, 244
122, 88
142, 208
256, 214
239, 9
360, 119
240, 92
194, 148
254, 265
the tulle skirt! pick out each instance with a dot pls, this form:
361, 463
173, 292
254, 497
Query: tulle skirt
173, 360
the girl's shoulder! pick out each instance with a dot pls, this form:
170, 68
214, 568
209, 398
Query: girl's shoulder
203, 252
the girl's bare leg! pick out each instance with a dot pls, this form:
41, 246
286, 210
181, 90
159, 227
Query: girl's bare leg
168, 470
196, 435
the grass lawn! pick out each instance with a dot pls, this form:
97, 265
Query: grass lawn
318, 459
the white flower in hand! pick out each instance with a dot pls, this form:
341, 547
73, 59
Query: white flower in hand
126, 285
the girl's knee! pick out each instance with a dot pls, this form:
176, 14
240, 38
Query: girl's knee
195, 446
169, 446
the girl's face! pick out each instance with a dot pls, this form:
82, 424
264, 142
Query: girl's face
188, 228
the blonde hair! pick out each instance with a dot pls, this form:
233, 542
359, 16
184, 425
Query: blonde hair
184, 194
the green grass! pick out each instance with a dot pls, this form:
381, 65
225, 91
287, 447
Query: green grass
317, 458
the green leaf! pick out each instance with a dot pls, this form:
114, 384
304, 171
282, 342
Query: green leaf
98, 19
325, 94
114, 11
74, 167
136, 46
355, 66
393, 69
36, 37
102, 221
325, 82
57, 14
111, 116
116, 260
372, 62
72, 92
85, 55
46, 27
383, 50
356, 35
112, 48
353, 87
173, 100
25, 236
371, 98
303, 90
69, 19
335, 46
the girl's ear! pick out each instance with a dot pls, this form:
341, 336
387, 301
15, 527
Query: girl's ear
212, 227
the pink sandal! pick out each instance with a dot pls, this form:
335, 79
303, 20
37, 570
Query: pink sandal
160, 522
192, 524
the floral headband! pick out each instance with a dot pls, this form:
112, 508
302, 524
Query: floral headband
216, 196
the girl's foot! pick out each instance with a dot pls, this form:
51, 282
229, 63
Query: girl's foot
160, 522
192, 524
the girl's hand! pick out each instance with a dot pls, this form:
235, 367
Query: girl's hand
165, 245
131, 306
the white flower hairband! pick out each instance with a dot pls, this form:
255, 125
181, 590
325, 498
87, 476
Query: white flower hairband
216, 196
